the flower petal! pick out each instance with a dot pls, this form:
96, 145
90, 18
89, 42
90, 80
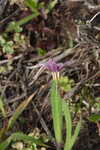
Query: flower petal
52, 66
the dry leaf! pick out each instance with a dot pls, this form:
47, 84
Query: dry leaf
18, 2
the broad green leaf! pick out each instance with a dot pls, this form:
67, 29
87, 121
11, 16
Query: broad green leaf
56, 104
20, 137
68, 121
18, 111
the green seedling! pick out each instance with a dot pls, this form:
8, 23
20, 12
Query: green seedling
7, 46
34, 6
16, 25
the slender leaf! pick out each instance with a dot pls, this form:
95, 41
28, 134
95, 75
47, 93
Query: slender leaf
2, 132
68, 120
15, 25
56, 104
5, 144
32, 4
70, 140
20, 136
52, 5
76, 132
2, 107
18, 111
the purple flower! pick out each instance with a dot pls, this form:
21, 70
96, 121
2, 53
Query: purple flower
52, 66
